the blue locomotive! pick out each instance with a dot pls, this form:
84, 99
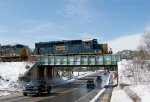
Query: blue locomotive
70, 47
15, 52
12, 50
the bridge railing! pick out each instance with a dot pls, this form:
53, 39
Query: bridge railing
109, 59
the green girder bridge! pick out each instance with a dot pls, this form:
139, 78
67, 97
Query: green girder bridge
79, 60
48, 66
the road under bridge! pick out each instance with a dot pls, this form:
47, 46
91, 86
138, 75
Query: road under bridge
75, 91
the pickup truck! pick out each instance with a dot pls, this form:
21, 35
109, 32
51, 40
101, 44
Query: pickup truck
36, 87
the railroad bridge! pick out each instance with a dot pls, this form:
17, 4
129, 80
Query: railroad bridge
50, 67
78, 60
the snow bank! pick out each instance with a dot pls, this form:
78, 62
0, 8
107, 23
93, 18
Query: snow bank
9, 73
120, 96
139, 84
4, 93
122, 77
143, 91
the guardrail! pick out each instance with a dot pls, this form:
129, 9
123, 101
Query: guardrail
96, 98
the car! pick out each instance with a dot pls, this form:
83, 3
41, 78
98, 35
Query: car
90, 83
99, 79
105, 72
36, 87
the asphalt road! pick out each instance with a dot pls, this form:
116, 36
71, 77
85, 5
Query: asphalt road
75, 91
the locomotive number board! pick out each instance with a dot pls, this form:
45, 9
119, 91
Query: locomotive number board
60, 48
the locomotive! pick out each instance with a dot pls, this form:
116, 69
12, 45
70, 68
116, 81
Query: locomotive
14, 52
71, 47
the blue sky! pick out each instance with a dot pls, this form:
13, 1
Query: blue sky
31, 21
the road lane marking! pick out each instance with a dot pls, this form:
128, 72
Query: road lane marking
59, 89
54, 90
14, 99
84, 96
43, 98
69, 90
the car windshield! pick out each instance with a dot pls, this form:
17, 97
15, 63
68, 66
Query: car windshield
90, 81
35, 82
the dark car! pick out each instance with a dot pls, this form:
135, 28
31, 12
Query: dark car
99, 79
36, 87
90, 83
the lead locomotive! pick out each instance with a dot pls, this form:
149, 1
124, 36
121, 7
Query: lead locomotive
71, 47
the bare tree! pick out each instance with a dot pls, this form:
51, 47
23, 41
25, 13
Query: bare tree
137, 70
144, 48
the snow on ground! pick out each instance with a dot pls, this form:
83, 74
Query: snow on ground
143, 91
4, 93
119, 95
9, 73
105, 79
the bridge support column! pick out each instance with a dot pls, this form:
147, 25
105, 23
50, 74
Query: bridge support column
33, 73
48, 73
40, 73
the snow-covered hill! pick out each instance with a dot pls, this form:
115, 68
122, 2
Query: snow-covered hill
9, 73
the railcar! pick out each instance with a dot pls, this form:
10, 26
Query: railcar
70, 47
14, 52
